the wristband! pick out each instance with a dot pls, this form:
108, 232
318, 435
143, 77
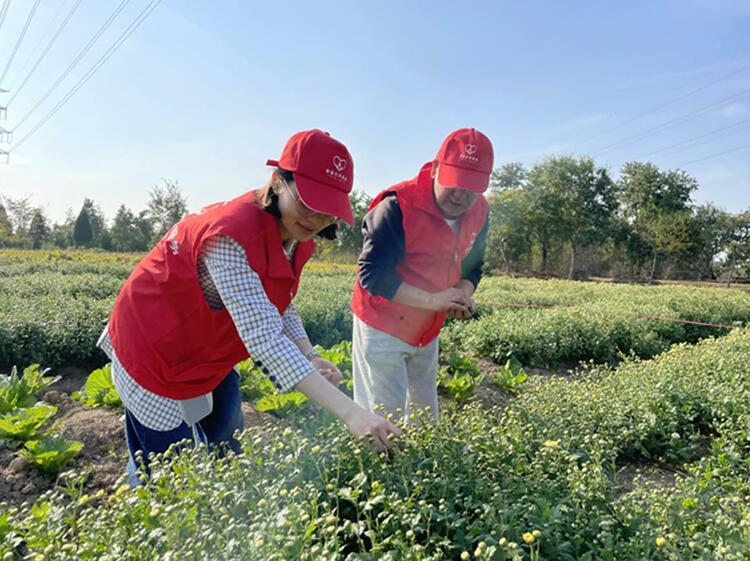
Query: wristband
311, 354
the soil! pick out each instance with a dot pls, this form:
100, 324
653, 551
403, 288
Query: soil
633, 476
102, 432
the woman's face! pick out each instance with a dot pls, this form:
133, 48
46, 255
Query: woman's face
298, 221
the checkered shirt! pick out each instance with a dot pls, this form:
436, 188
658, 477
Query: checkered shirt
227, 281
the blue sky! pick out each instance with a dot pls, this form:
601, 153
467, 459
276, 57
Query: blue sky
204, 92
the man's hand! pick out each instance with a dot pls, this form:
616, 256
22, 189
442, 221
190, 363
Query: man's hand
463, 314
328, 370
450, 300
467, 288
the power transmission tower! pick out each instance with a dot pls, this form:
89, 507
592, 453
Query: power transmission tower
4, 157
3, 110
5, 136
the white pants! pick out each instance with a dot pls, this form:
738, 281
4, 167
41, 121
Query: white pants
392, 374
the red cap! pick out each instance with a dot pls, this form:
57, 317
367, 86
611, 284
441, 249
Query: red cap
323, 171
465, 160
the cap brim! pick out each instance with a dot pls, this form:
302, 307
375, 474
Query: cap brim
324, 199
452, 177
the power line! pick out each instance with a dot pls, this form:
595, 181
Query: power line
3, 11
46, 50
20, 39
54, 20
75, 62
112, 49
691, 140
667, 104
676, 120
736, 149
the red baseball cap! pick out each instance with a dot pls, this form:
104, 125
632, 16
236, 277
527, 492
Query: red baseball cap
323, 171
465, 160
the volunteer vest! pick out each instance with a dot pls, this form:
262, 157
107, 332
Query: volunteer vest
432, 260
162, 329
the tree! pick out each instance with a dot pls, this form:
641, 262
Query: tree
99, 235
509, 236
127, 233
737, 245
6, 228
708, 225
509, 176
166, 206
544, 210
20, 212
82, 234
62, 233
38, 230
585, 201
656, 205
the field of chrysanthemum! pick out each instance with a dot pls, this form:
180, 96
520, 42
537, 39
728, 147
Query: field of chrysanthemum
580, 421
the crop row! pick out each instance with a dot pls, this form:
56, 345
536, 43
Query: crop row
533, 481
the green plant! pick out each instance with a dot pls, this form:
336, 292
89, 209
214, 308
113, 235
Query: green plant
20, 391
99, 390
282, 404
254, 384
510, 376
50, 453
23, 424
459, 376
340, 355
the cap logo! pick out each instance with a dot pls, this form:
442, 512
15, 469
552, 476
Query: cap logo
470, 151
339, 163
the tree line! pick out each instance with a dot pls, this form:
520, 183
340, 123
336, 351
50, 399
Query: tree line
24, 225
565, 216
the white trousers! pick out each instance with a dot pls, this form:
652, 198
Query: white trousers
393, 375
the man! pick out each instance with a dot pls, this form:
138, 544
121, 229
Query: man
424, 242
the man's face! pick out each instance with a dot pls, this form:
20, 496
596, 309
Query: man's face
452, 201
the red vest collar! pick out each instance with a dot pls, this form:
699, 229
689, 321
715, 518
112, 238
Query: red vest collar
424, 196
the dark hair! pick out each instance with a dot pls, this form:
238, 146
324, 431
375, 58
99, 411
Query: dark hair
268, 200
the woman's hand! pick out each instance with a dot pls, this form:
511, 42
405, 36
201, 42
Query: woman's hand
377, 432
374, 430
328, 370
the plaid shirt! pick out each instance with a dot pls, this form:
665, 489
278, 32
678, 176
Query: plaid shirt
227, 281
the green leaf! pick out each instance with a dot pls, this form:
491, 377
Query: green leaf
23, 424
99, 390
282, 404
51, 453
20, 391
254, 384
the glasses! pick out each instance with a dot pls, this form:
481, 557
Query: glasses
303, 208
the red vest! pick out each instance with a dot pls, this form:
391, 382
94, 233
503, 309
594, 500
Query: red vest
432, 260
163, 331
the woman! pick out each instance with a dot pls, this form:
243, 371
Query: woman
217, 288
